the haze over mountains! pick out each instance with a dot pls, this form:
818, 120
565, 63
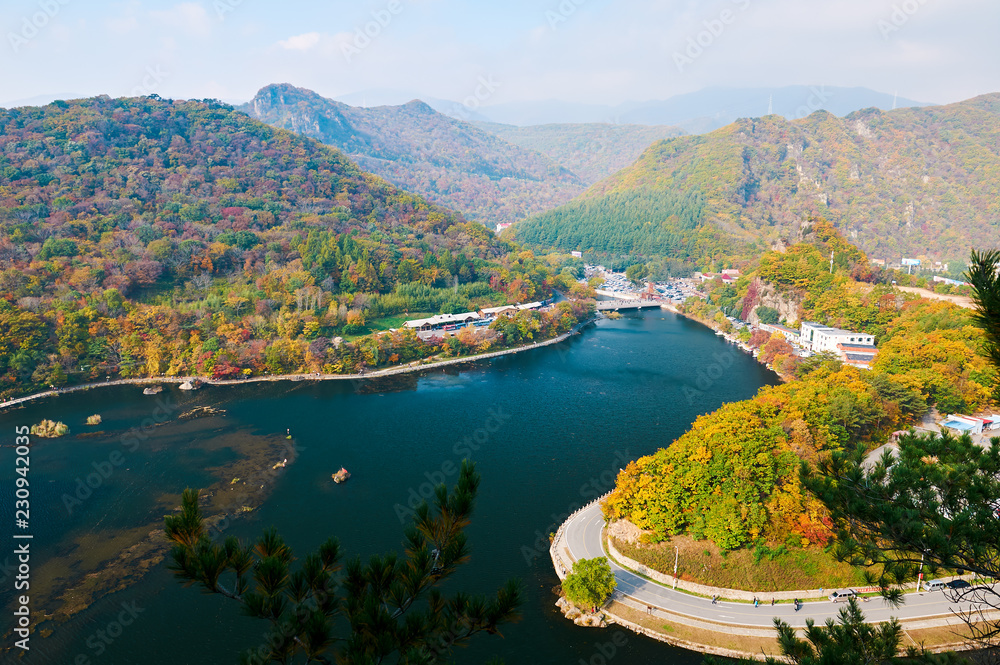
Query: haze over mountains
593, 151
695, 112
905, 182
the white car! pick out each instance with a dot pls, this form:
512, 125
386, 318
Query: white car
845, 595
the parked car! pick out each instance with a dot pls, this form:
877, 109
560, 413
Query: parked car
843, 594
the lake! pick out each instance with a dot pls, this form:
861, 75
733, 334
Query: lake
548, 429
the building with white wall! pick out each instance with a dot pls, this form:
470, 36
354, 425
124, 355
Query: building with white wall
788, 333
819, 338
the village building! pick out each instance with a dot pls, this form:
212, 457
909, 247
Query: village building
453, 321
441, 320
857, 355
819, 338
789, 334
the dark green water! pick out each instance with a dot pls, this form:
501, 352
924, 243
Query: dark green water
549, 429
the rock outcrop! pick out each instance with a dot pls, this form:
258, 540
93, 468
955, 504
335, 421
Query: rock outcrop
580, 618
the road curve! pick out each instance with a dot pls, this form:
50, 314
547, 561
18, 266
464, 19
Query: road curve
582, 534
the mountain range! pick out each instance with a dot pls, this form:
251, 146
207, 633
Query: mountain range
413, 146
908, 182
695, 112
492, 173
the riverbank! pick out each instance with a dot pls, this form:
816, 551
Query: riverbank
415, 366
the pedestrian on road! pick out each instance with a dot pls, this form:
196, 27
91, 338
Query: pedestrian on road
755, 602
714, 598
772, 602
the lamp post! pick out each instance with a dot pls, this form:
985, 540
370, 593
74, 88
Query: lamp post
920, 572
676, 557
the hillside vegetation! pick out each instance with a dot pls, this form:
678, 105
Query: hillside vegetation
141, 237
450, 162
733, 478
908, 182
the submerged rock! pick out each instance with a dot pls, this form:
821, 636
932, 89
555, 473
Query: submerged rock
203, 411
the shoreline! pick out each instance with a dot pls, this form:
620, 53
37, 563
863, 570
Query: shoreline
730, 338
414, 366
716, 636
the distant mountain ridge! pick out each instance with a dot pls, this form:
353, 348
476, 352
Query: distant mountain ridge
909, 182
449, 161
592, 150
694, 112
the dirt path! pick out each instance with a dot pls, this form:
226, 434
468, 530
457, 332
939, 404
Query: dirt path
961, 301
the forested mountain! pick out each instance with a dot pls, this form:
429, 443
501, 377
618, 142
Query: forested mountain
141, 237
909, 182
593, 151
449, 161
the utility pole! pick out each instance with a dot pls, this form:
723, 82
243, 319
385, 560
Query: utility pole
676, 557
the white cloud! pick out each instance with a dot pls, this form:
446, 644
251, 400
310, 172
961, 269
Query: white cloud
302, 42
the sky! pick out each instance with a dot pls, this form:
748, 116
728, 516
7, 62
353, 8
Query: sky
584, 51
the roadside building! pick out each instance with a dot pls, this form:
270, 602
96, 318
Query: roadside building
788, 333
819, 338
727, 276
443, 320
963, 424
493, 312
857, 355
454, 321
953, 282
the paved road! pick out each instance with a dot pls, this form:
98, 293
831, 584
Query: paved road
583, 539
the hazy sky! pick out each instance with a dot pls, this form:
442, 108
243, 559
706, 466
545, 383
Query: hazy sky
575, 50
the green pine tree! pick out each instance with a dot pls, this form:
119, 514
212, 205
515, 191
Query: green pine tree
323, 611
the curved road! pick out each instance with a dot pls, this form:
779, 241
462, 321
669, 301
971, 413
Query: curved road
583, 539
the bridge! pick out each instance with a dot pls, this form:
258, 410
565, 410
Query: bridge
606, 305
